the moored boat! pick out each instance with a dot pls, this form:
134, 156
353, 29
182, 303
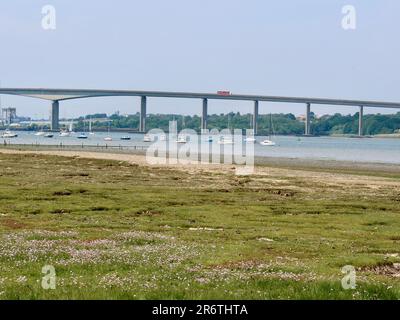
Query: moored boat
65, 134
250, 140
40, 133
225, 140
8, 134
82, 136
147, 138
181, 139
268, 143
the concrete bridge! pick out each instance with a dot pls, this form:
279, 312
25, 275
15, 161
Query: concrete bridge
57, 95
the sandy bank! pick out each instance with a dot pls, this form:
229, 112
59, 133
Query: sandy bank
372, 176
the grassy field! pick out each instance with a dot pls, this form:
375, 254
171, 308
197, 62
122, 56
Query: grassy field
115, 230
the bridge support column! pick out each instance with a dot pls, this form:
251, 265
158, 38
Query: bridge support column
143, 111
308, 120
255, 118
360, 122
54, 116
204, 115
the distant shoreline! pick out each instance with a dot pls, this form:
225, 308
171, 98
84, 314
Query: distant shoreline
132, 131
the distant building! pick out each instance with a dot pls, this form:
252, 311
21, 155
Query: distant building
8, 115
301, 118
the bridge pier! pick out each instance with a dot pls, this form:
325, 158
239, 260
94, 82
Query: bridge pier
308, 120
360, 122
204, 115
143, 111
54, 116
255, 117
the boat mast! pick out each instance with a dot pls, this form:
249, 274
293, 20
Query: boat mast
270, 126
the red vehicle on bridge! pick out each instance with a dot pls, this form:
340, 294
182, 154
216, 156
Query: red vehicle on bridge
224, 93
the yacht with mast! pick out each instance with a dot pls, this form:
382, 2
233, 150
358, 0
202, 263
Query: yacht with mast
90, 126
83, 134
40, 133
147, 138
227, 139
7, 134
269, 142
251, 138
108, 138
69, 131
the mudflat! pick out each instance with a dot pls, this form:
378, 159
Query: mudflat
114, 226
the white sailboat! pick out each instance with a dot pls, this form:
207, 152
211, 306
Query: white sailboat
83, 135
8, 134
69, 131
108, 138
147, 138
269, 142
40, 133
71, 127
90, 127
226, 140
65, 134
251, 138
181, 139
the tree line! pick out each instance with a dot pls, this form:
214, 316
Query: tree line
281, 124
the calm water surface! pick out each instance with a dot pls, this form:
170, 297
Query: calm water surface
385, 150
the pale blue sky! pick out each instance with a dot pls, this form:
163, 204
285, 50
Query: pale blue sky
285, 47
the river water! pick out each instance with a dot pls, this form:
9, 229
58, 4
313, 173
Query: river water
378, 150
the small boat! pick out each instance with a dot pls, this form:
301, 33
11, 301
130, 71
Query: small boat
163, 137
82, 136
126, 138
65, 134
40, 133
49, 135
90, 127
9, 134
147, 138
181, 139
108, 138
209, 139
71, 128
250, 140
225, 140
268, 143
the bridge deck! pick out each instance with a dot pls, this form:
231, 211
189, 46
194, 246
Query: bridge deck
69, 94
